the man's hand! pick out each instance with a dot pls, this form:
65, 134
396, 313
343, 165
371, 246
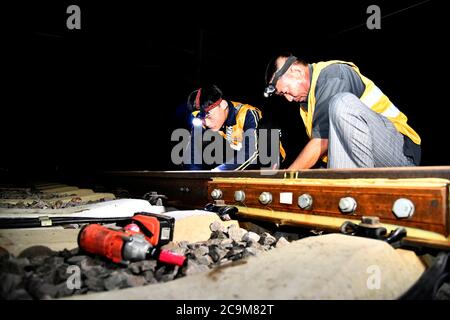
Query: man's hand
310, 154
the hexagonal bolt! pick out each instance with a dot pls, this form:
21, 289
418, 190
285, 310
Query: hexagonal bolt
347, 205
265, 197
403, 208
216, 194
305, 201
239, 196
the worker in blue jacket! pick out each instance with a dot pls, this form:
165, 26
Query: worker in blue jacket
236, 122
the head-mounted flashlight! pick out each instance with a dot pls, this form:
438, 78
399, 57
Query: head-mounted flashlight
270, 89
197, 122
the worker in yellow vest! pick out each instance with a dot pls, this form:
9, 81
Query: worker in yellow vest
350, 122
233, 121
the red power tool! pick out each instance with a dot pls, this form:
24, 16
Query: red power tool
139, 240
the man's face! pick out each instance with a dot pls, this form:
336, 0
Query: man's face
294, 84
215, 118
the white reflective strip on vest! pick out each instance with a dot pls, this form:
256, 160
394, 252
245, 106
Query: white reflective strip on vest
391, 111
374, 95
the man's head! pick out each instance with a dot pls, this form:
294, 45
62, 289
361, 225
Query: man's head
288, 76
213, 108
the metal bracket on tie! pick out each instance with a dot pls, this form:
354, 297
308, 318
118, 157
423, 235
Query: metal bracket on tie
154, 198
370, 227
225, 213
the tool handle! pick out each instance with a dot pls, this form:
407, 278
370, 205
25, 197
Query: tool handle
170, 257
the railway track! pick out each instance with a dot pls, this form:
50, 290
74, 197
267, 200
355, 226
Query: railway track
421, 191
306, 202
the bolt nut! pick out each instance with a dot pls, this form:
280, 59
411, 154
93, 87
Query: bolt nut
219, 202
305, 201
265, 197
216, 194
239, 196
403, 208
347, 205
370, 222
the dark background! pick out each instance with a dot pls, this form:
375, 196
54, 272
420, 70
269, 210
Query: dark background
108, 96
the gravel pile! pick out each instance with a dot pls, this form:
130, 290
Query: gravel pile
40, 273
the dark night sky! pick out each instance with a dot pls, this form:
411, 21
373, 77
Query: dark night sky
109, 95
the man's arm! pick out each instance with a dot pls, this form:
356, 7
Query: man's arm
310, 154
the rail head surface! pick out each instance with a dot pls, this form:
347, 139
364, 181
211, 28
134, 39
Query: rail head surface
393, 173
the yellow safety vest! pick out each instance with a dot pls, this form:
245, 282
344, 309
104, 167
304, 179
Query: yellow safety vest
372, 97
235, 136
